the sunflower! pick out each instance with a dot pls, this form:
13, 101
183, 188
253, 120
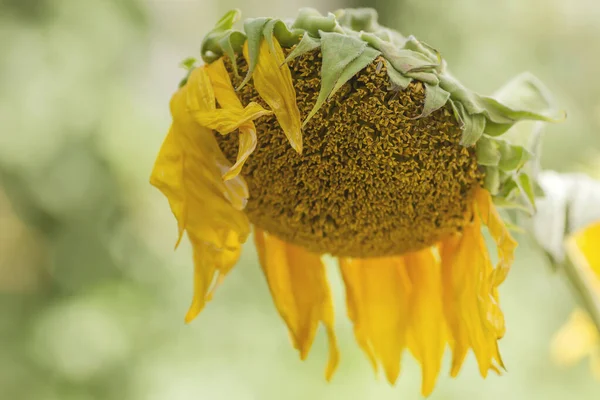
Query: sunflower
580, 336
335, 135
567, 227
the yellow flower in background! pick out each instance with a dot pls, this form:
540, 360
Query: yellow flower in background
346, 138
580, 338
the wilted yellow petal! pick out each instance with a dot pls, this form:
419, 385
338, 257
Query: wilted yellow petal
273, 81
202, 106
228, 100
299, 288
470, 300
377, 297
504, 242
426, 329
221, 84
188, 171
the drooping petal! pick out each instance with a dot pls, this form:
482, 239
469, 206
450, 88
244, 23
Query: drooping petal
300, 291
211, 83
504, 242
188, 171
209, 260
427, 330
273, 81
227, 98
377, 297
470, 300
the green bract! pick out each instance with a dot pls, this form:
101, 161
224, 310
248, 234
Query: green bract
351, 39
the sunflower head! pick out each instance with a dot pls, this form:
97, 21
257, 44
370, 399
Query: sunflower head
333, 134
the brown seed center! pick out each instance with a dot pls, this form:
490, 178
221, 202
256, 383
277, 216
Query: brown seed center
372, 180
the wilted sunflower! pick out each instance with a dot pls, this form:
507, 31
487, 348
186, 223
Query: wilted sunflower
334, 135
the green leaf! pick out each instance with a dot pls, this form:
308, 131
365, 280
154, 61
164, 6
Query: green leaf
526, 92
507, 187
413, 44
403, 60
526, 188
354, 67
232, 43
473, 125
278, 29
435, 98
307, 43
210, 48
512, 157
359, 19
188, 63
487, 152
459, 93
396, 77
500, 117
502, 114
338, 52
254, 31
492, 180
425, 77
313, 22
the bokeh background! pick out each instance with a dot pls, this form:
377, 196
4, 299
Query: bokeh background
92, 296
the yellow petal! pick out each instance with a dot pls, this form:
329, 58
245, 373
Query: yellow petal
273, 82
504, 242
300, 291
580, 337
247, 145
377, 297
587, 241
227, 120
188, 171
577, 339
470, 300
221, 84
201, 140
426, 334
202, 106
452, 281
228, 100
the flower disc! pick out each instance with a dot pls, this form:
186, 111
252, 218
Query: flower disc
373, 179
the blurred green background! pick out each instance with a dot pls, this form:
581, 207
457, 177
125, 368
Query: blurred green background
92, 296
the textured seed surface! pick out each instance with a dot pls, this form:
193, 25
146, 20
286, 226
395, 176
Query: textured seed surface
372, 180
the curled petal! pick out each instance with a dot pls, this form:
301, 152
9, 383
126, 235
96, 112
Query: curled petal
505, 243
210, 84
